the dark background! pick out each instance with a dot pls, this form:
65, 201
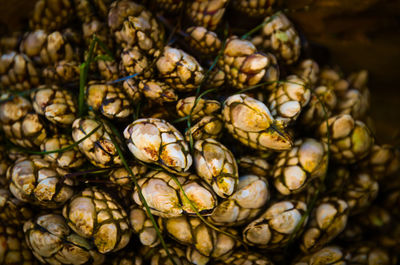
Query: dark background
360, 34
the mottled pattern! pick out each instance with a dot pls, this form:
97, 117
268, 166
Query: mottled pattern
206, 14
295, 168
245, 204
197, 107
95, 215
109, 100
165, 198
34, 180
99, 147
13, 249
56, 104
53, 242
329, 219
217, 166
275, 227
69, 159
254, 165
250, 121
179, 69
349, 140
157, 141
18, 72
279, 36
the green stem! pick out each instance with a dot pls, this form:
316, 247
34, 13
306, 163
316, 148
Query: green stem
83, 76
142, 199
260, 26
62, 149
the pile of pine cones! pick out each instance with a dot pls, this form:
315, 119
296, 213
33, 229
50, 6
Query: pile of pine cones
162, 133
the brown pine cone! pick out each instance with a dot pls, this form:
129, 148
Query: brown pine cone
56, 104
109, 100
206, 14
51, 14
17, 72
279, 36
204, 41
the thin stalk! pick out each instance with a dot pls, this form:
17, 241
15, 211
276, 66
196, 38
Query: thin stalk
142, 199
83, 76
62, 149
260, 26
104, 47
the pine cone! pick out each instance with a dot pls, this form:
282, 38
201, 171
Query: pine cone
179, 69
165, 198
99, 147
206, 14
275, 227
295, 168
51, 14
204, 41
217, 166
20, 125
57, 105
17, 72
109, 100
36, 181
250, 121
95, 215
279, 36
53, 242
245, 204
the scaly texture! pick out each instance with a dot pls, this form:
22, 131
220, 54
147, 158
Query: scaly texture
53, 242
165, 198
34, 180
156, 141
245, 204
95, 215
56, 104
250, 121
98, 147
217, 166
295, 168
279, 36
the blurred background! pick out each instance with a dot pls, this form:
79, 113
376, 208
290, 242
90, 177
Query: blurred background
359, 34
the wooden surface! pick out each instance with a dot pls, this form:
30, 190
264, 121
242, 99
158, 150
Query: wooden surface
360, 34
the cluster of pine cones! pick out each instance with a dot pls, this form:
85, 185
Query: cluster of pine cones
169, 132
